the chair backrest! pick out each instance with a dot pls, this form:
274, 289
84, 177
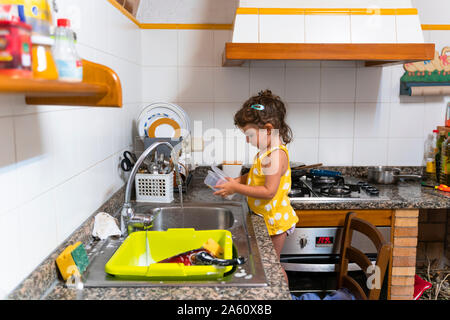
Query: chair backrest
352, 254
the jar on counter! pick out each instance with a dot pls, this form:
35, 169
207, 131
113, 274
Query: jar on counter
15, 49
44, 66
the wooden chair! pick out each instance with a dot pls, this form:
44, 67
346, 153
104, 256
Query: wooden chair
351, 254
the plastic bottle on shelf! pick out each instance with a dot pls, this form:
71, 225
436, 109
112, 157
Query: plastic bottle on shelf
445, 161
70, 67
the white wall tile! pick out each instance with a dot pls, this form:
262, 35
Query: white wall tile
303, 118
159, 83
373, 29
337, 64
302, 85
409, 29
34, 161
267, 78
327, 29
38, 230
405, 152
434, 114
302, 64
372, 120
370, 152
6, 106
11, 273
282, 28
246, 28
267, 63
220, 38
231, 84
336, 120
196, 48
304, 150
8, 173
224, 115
195, 84
440, 39
335, 152
123, 36
200, 112
406, 120
338, 84
373, 84
159, 47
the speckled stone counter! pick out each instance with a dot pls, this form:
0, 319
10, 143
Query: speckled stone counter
404, 195
44, 282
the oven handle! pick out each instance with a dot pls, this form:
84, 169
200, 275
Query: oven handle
316, 267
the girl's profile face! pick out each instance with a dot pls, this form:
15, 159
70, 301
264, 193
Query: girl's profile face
257, 137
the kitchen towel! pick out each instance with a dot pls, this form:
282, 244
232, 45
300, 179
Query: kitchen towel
105, 226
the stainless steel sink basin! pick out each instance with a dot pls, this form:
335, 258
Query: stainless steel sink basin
200, 218
232, 216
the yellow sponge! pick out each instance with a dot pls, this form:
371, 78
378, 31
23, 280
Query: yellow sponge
212, 246
66, 264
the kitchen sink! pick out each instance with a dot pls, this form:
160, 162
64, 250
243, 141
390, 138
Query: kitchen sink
200, 218
231, 216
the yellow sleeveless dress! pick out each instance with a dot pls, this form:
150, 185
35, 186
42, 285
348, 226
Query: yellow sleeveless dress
278, 213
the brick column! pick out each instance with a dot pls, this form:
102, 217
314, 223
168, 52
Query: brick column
404, 254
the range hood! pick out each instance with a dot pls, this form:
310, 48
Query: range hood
378, 32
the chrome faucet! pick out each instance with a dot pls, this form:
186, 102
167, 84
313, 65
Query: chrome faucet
129, 221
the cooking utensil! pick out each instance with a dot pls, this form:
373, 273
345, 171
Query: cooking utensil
204, 258
128, 162
387, 175
441, 187
303, 167
325, 173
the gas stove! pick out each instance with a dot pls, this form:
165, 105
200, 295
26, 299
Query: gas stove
317, 188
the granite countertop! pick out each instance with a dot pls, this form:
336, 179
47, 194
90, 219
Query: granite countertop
404, 195
45, 282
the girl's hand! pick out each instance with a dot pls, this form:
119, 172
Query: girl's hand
227, 188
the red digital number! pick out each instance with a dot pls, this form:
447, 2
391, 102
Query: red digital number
323, 240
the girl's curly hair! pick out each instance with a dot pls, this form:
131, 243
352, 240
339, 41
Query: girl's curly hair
274, 113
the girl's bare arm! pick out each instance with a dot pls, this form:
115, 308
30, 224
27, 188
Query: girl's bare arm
275, 167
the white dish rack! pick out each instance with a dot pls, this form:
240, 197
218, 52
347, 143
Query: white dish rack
154, 187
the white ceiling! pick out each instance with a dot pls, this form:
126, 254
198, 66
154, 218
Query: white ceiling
223, 11
187, 11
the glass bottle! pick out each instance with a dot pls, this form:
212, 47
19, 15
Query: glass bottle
445, 161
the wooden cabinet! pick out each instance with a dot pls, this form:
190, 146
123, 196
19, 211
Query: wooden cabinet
333, 218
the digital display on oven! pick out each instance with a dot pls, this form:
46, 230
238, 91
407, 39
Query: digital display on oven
324, 241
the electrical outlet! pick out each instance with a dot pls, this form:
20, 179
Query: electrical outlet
197, 144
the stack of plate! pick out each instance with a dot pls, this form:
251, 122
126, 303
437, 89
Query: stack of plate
163, 120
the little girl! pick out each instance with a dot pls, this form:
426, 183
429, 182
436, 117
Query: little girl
262, 119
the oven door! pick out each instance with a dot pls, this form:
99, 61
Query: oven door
310, 257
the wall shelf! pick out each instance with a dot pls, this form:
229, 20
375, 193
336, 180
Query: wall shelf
101, 87
236, 54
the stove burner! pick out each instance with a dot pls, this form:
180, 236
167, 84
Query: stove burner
369, 189
299, 192
342, 191
320, 182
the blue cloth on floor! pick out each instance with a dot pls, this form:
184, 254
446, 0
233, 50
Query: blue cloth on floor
341, 294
